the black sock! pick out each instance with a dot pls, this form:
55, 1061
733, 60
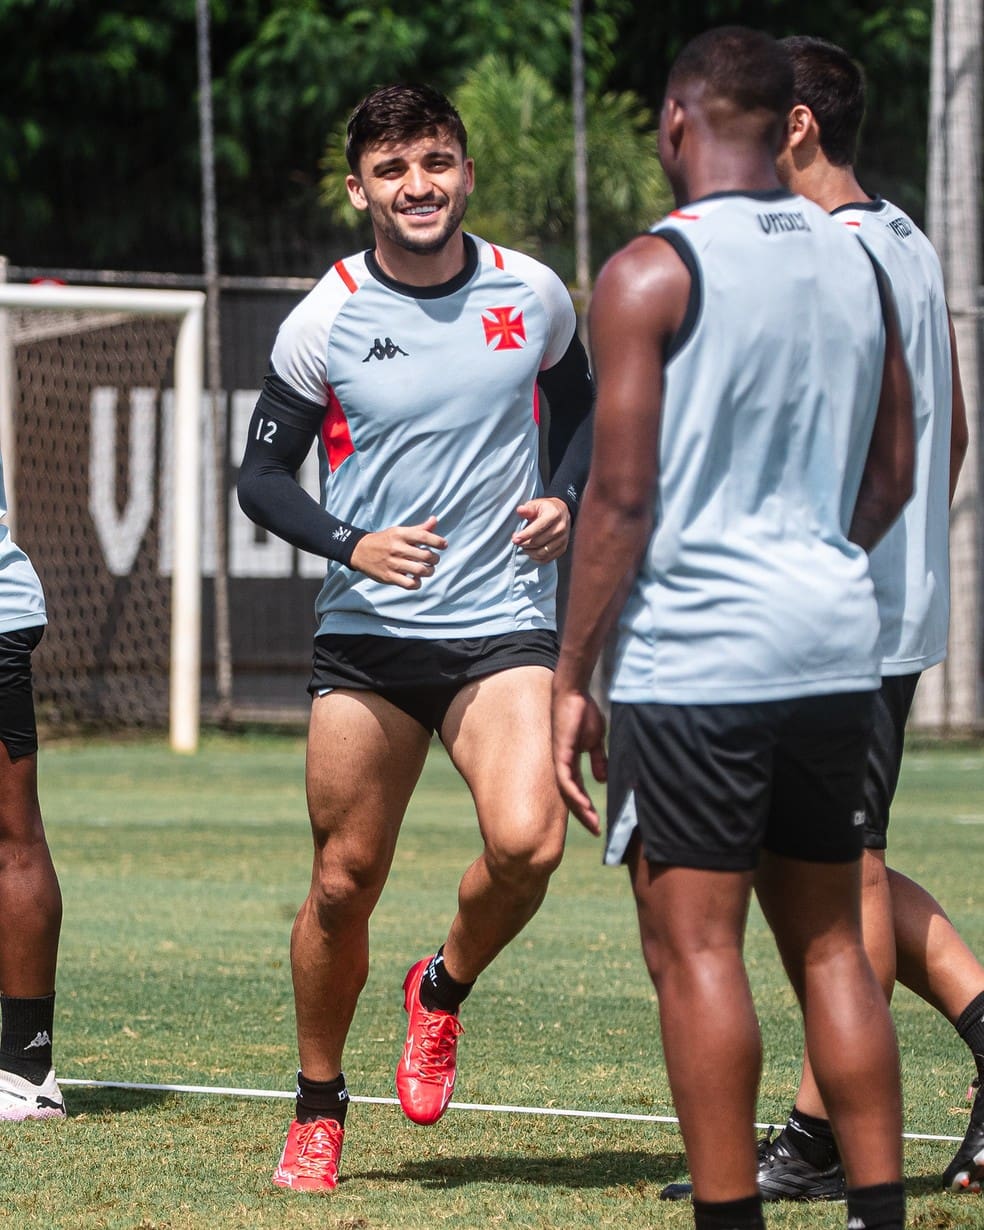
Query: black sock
729, 1214
25, 1036
321, 1099
970, 1027
812, 1138
439, 992
881, 1207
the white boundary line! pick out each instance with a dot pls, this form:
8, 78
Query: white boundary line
556, 1112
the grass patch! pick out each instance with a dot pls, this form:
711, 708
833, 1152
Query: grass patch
181, 877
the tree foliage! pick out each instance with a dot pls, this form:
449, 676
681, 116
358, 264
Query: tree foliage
310, 62
891, 38
95, 125
520, 133
99, 128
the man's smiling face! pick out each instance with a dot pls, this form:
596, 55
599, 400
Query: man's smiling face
416, 192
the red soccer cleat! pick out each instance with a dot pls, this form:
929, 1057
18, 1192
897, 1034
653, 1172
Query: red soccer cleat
425, 1074
309, 1162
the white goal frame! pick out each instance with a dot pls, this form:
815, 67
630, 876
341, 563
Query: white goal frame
189, 307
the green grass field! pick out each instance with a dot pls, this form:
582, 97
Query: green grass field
181, 877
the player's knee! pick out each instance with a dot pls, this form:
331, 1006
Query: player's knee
344, 892
24, 850
22, 833
835, 958
525, 861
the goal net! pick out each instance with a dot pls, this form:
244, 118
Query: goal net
100, 410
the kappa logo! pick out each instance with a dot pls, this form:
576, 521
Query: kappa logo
43, 1039
387, 349
504, 328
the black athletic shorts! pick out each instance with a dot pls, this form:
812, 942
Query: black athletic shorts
710, 785
419, 676
893, 701
18, 729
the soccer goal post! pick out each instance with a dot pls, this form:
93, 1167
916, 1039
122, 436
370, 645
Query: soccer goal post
101, 426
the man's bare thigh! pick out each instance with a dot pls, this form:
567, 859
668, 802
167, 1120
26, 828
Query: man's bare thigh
364, 757
497, 733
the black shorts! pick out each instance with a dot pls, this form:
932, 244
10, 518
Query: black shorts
18, 728
893, 701
422, 677
710, 785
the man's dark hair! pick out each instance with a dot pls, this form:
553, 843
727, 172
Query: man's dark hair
401, 113
831, 84
746, 68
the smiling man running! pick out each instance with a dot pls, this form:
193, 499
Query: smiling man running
418, 367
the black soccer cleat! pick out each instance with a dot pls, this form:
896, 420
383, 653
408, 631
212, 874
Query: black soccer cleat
677, 1191
966, 1172
783, 1174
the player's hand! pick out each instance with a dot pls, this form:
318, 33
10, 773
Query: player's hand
548, 529
403, 555
578, 726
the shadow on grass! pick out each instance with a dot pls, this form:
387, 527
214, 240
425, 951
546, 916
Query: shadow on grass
927, 1185
950, 1203
83, 1101
595, 1169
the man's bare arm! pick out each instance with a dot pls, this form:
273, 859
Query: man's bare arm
959, 432
886, 483
631, 321
639, 302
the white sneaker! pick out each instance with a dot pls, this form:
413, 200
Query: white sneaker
19, 1099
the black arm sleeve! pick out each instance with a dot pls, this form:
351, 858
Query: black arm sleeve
283, 428
570, 397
